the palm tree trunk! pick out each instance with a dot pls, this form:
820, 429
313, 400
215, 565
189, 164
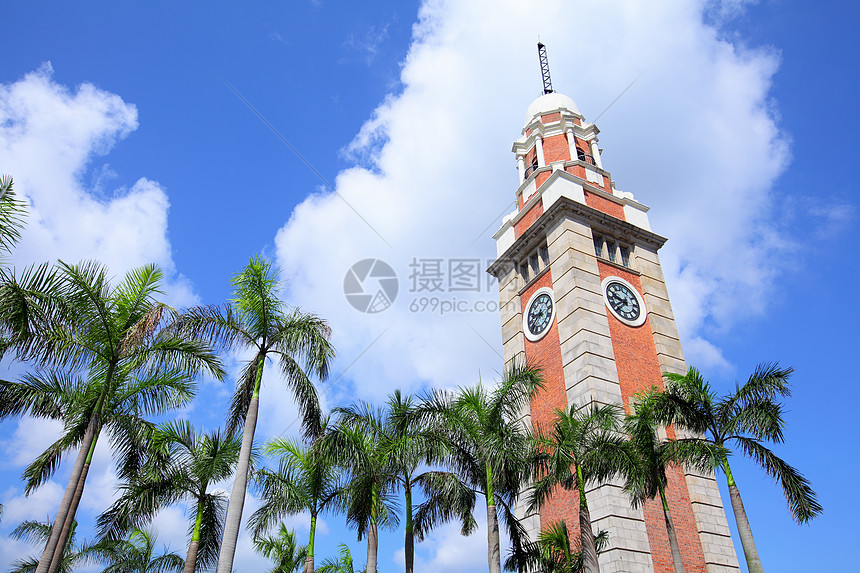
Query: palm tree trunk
410, 540
68, 496
57, 559
70, 519
194, 545
240, 484
372, 547
494, 555
372, 532
744, 529
309, 558
586, 535
670, 531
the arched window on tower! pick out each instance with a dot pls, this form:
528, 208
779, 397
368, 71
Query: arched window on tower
583, 156
532, 166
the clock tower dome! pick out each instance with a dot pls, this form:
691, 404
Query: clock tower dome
582, 296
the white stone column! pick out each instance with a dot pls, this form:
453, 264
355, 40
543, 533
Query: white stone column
595, 153
539, 148
521, 167
571, 143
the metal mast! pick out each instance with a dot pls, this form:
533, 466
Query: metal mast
544, 69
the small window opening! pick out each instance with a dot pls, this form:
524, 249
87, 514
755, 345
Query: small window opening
598, 245
610, 250
625, 256
544, 256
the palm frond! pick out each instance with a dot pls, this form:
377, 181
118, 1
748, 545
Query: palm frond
282, 549
802, 500
13, 213
446, 498
342, 564
211, 530
281, 495
42, 394
31, 531
216, 325
45, 465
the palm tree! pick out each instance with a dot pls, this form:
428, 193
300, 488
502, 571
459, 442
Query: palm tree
342, 564
553, 552
304, 481
584, 446
72, 401
37, 532
258, 320
72, 319
136, 554
358, 441
411, 445
745, 418
282, 548
184, 464
490, 448
404, 445
646, 477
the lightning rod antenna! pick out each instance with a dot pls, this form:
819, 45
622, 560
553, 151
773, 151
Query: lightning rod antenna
544, 69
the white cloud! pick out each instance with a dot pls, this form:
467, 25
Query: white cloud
40, 505
31, 437
49, 137
171, 524
694, 137
18, 549
445, 549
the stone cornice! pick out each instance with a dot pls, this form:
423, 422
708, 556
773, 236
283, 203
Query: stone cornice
585, 132
565, 206
591, 187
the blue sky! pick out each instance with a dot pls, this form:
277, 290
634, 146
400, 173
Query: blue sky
120, 126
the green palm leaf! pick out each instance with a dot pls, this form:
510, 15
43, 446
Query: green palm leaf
745, 418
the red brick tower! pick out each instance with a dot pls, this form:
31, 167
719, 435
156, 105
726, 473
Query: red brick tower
583, 296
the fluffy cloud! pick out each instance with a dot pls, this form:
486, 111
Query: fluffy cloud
49, 138
42, 502
31, 435
447, 550
694, 137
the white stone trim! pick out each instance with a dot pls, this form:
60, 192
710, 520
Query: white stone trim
527, 308
595, 153
561, 187
505, 237
571, 142
636, 214
643, 312
521, 167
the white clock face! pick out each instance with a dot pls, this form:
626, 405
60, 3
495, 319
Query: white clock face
538, 314
624, 301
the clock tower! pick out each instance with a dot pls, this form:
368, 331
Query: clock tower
583, 297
